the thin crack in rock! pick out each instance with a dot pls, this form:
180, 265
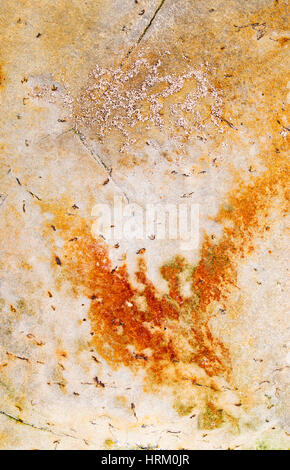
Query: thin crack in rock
99, 160
80, 135
20, 421
132, 48
2, 198
40, 428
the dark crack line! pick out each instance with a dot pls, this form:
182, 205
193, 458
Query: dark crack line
82, 138
132, 48
39, 428
55, 136
151, 21
95, 156
100, 161
20, 421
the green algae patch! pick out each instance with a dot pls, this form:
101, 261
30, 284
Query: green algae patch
211, 418
183, 409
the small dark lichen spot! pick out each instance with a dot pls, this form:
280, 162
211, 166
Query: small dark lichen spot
95, 359
58, 261
99, 383
34, 195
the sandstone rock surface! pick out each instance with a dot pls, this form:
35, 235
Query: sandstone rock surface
137, 343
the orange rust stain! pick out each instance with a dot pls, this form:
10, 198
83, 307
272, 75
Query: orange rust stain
114, 313
172, 332
282, 41
2, 77
167, 333
170, 272
63, 354
243, 217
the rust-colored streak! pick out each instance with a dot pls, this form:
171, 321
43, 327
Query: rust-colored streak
2, 77
180, 93
244, 217
165, 334
170, 333
124, 334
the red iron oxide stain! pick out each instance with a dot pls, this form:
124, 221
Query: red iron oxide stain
164, 333
170, 333
2, 77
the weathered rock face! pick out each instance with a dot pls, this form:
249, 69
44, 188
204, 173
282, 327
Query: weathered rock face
136, 342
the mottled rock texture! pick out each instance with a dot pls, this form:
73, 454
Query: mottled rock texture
135, 343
